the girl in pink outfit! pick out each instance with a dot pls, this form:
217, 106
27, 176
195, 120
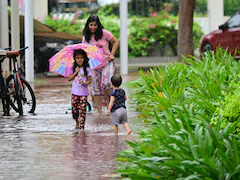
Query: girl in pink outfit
81, 78
94, 34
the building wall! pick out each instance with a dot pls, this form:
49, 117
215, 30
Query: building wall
40, 8
204, 23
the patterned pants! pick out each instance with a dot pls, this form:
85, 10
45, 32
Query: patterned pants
101, 79
79, 104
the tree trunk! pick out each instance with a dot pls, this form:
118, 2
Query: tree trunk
185, 37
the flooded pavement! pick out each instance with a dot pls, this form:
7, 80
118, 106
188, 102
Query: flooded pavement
45, 145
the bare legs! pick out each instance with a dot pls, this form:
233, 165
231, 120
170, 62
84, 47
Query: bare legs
106, 95
77, 125
115, 129
126, 126
128, 131
98, 100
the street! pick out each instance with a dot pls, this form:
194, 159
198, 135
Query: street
45, 145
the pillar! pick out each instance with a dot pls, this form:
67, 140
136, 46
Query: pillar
28, 32
215, 14
4, 41
15, 26
123, 37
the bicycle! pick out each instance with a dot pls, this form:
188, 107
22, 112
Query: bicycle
3, 86
20, 94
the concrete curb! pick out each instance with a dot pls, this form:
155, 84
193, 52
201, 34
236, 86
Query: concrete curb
135, 64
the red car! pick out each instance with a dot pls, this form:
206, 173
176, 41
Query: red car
227, 36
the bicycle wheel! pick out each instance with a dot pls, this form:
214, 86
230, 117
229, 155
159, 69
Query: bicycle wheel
26, 94
18, 98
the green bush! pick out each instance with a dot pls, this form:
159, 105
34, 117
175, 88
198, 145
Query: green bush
229, 108
146, 7
173, 150
64, 25
157, 31
178, 102
198, 85
231, 7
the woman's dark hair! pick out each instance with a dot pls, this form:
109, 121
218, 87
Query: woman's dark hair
116, 80
86, 31
85, 63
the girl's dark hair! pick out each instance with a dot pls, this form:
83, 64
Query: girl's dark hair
116, 80
99, 32
85, 63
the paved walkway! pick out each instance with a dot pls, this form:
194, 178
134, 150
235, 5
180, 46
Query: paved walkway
45, 145
135, 64
148, 61
48, 142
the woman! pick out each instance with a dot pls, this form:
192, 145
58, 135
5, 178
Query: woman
94, 34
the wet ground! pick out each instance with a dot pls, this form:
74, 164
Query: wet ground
45, 145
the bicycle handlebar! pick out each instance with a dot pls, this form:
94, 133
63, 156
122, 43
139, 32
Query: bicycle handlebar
22, 49
15, 53
9, 48
12, 53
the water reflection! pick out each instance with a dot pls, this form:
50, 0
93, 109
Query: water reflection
46, 146
52, 149
94, 154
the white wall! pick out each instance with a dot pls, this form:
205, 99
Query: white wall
105, 2
204, 23
215, 13
40, 8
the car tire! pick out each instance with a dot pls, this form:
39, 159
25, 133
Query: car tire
207, 47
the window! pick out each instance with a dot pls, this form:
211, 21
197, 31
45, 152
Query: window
234, 21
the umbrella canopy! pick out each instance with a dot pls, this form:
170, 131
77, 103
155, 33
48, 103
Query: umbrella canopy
62, 62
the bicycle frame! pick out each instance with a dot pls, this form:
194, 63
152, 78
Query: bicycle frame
17, 85
4, 91
23, 93
16, 73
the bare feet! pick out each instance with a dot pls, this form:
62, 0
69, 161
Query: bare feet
77, 126
129, 132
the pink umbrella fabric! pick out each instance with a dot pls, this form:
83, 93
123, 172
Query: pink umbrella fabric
62, 62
